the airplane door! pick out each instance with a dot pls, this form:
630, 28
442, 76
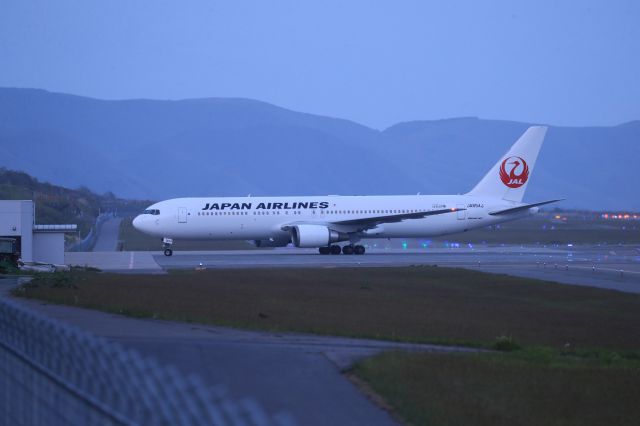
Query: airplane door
182, 215
462, 214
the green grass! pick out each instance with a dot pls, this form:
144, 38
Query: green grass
534, 387
542, 229
517, 235
417, 304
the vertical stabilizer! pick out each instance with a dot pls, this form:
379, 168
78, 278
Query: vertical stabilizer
509, 177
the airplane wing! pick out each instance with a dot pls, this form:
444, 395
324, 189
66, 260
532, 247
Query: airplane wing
373, 221
523, 207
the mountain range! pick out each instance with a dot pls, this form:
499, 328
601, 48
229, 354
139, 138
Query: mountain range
156, 149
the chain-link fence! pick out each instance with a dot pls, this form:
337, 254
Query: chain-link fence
54, 374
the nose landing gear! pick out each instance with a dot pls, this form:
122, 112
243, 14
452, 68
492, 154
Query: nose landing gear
166, 245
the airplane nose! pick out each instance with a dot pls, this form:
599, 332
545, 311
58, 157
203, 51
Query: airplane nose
137, 223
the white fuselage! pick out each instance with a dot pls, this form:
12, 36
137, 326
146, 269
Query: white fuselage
263, 218
321, 221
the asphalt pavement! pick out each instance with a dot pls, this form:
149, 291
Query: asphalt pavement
108, 235
610, 267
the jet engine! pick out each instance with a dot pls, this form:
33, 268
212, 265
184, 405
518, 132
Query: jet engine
315, 236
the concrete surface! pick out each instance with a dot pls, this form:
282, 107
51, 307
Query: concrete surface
611, 267
108, 235
115, 261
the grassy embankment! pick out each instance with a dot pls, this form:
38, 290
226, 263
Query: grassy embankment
579, 362
543, 230
529, 387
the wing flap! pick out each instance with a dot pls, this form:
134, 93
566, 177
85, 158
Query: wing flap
521, 208
373, 221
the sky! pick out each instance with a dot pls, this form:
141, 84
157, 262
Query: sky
374, 62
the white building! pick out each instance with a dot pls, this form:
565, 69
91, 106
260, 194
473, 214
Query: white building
36, 243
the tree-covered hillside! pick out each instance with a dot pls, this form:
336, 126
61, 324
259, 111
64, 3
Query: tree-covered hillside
59, 205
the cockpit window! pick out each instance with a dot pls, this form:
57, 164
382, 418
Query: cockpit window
154, 212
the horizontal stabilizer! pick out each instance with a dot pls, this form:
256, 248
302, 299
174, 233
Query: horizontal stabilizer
521, 208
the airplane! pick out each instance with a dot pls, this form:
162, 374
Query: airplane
324, 221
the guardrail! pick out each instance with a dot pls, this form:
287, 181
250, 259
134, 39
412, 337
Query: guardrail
53, 374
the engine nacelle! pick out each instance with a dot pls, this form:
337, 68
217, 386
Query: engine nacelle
315, 236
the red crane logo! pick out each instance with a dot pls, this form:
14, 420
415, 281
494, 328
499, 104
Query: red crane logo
517, 175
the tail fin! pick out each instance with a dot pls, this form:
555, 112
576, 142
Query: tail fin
509, 177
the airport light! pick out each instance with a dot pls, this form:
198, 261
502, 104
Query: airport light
620, 216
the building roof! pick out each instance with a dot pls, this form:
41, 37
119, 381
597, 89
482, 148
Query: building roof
55, 228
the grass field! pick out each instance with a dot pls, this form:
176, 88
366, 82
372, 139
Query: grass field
538, 231
579, 361
534, 387
419, 304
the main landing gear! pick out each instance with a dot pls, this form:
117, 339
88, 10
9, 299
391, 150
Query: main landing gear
166, 245
348, 249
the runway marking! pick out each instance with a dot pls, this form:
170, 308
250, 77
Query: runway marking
131, 260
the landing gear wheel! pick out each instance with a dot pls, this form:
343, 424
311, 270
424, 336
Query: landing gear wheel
324, 250
166, 245
358, 249
335, 249
348, 249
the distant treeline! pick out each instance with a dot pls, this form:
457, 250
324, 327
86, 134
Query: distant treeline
59, 205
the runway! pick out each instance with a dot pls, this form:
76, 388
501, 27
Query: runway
612, 267
615, 268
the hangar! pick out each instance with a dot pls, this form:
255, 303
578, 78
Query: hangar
36, 243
